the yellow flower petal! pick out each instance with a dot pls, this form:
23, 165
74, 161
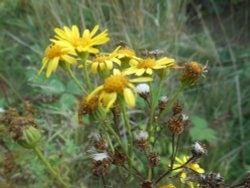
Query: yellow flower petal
142, 79
94, 68
129, 97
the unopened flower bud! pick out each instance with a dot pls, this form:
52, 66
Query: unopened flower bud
32, 137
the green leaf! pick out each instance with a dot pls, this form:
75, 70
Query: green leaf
67, 101
201, 131
54, 87
73, 88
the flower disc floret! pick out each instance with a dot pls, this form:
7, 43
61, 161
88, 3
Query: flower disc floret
146, 63
116, 83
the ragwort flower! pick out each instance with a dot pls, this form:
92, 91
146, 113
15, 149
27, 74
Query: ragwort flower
104, 61
193, 166
116, 85
85, 43
142, 66
53, 55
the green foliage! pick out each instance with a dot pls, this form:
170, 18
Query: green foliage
201, 131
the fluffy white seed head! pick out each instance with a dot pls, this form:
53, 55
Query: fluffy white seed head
143, 88
100, 156
185, 117
142, 135
164, 99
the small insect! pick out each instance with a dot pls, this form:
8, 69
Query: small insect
121, 43
156, 52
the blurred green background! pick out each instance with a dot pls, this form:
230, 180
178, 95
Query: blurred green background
212, 31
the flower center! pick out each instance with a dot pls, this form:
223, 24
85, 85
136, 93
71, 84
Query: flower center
101, 59
54, 51
115, 83
146, 63
126, 52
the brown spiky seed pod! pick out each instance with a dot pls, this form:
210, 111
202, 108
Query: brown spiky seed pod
147, 184
214, 180
101, 145
153, 159
177, 108
100, 168
119, 158
176, 125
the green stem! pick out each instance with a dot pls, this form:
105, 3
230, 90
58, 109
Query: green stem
87, 76
130, 136
49, 167
171, 102
76, 80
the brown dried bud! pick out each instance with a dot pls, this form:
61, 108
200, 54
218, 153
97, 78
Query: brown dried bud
154, 159
119, 158
147, 184
214, 180
142, 139
176, 125
192, 71
8, 116
163, 102
100, 168
101, 144
177, 108
88, 107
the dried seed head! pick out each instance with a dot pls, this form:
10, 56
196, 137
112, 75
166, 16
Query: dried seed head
119, 158
193, 71
176, 125
101, 145
177, 108
154, 159
8, 116
142, 139
100, 168
101, 156
198, 149
214, 180
147, 184
143, 90
163, 102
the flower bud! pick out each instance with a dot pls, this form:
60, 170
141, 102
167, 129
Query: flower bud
32, 137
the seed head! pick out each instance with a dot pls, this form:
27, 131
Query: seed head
143, 90
147, 184
154, 159
198, 149
176, 125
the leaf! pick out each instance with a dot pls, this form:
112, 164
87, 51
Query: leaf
73, 88
201, 131
67, 101
54, 87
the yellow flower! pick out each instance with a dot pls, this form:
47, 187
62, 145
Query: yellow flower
53, 55
168, 186
193, 166
139, 67
104, 61
116, 85
85, 43
126, 53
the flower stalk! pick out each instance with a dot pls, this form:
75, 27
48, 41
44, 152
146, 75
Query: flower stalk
49, 167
